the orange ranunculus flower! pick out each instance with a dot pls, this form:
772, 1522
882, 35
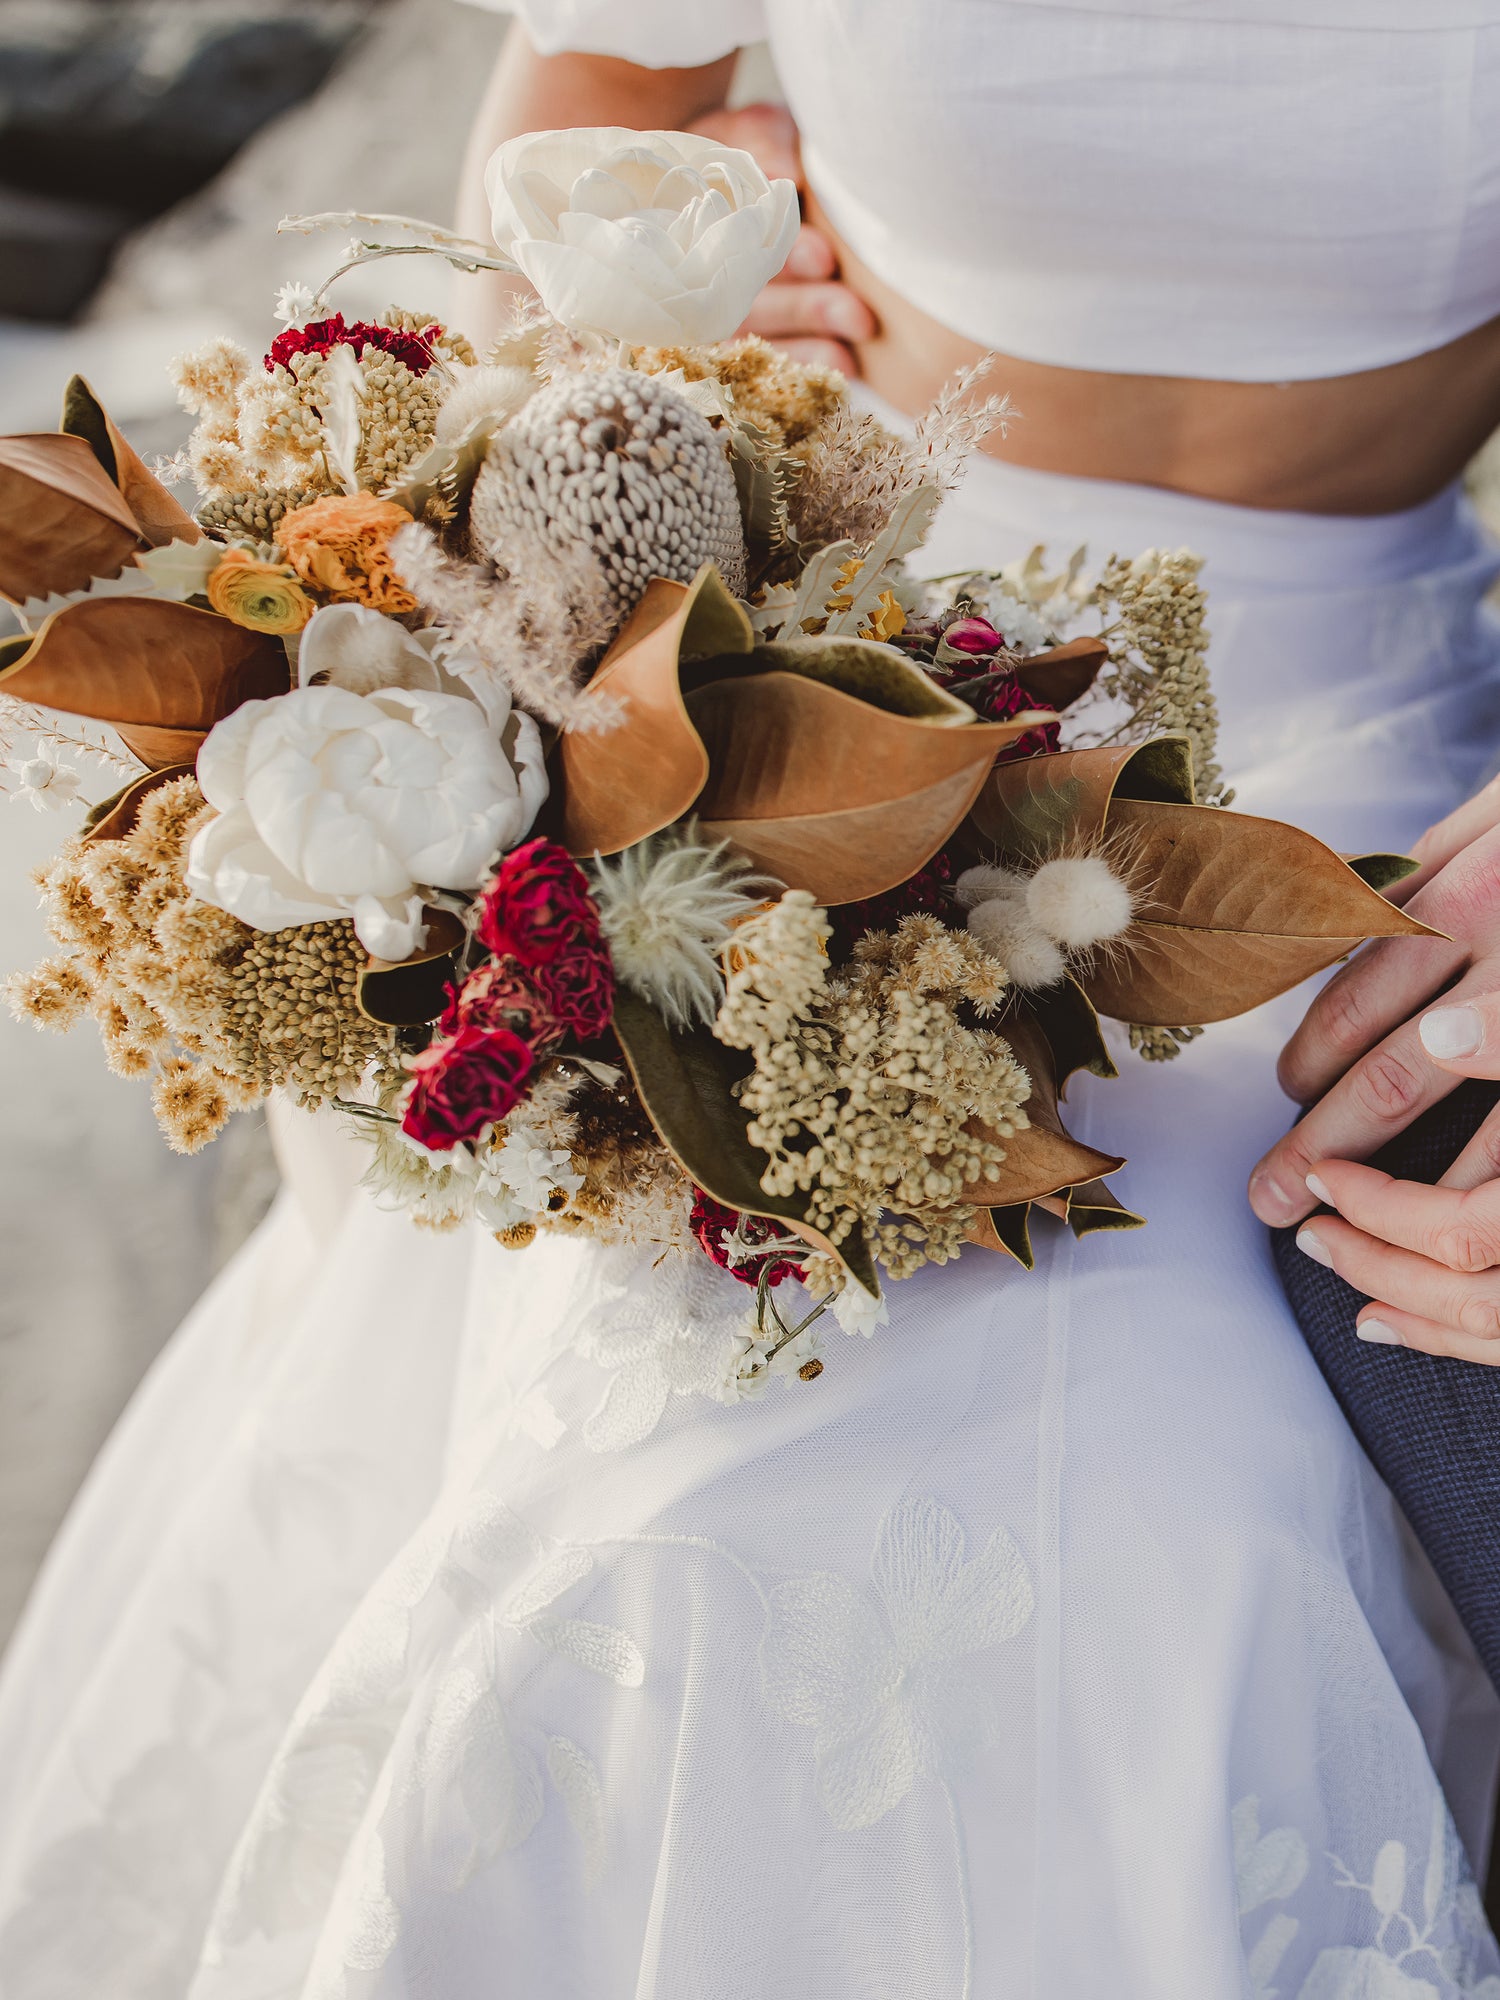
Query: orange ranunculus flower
263, 596
340, 547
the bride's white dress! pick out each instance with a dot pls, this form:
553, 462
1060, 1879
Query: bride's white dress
426, 1632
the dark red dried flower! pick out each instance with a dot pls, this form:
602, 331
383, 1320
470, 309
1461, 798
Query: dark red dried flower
538, 907
463, 1083
577, 990
713, 1224
496, 995
1004, 697
322, 335
924, 892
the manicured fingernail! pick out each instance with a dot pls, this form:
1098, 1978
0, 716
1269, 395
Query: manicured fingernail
1378, 1333
1450, 1032
1271, 1201
1316, 1187
1310, 1246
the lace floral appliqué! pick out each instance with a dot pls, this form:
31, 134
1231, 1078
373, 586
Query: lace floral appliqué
887, 1679
1428, 1939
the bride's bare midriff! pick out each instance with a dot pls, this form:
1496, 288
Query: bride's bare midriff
1370, 443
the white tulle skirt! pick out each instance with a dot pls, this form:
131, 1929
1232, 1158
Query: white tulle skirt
425, 1632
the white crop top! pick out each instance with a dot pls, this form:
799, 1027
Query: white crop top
1247, 190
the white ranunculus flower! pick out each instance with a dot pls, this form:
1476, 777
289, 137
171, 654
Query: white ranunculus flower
336, 803
649, 237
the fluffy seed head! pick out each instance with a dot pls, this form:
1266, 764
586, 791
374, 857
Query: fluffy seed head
1079, 901
1028, 954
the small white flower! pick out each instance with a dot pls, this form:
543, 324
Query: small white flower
533, 1173
795, 1355
858, 1311
888, 1679
1079, 901
45, 783
747, 1377
293, 302
653, 238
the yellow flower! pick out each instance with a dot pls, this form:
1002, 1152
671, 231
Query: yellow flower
888, 621
340, 546
264, 596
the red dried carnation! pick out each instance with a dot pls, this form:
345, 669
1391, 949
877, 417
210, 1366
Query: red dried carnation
713, 1224
322, 335
496, 995
1004, 697
578, 989
464, 1082
538, 906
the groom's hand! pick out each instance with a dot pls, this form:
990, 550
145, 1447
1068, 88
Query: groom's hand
1374, 1054
805, 309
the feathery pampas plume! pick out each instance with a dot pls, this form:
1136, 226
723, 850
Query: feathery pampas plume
533, 629
668, 908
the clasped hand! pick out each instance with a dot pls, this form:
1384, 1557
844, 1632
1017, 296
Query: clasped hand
1427, 1257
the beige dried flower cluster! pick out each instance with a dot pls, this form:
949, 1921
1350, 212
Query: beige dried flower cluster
1159, 654
217, 1013
261, 439
870, 1094
633, 1191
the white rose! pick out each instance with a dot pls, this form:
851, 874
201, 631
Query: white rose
654, 238
337, 804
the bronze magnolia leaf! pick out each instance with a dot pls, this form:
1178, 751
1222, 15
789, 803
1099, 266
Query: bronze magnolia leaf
1232, 911
1063, 674
1095, 1206
826, 791
157, 514
685, 1078
622, 782
407, 992
1043, 1159
1382, 872
1067, 1019
1007, 1229
162, 673
63, 521
1038, 805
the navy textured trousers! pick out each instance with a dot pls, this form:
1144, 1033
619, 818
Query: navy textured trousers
1431, 1426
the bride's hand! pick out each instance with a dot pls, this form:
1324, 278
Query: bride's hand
1375, 1054
805, 309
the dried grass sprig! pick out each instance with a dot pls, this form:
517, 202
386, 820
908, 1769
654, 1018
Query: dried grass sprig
533, 629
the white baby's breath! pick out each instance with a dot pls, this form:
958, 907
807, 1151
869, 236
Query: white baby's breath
294, 302
45, 783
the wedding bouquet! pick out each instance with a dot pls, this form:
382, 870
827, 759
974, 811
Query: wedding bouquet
550, 760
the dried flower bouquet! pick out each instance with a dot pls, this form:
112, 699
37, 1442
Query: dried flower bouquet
549, 759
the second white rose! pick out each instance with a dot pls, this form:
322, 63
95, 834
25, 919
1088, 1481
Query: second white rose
654, 238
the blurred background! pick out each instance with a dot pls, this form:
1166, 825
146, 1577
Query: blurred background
148, 149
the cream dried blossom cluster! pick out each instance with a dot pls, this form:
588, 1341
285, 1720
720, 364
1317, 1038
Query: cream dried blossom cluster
870, 1093
217, 1014
1159, 654
262, 441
